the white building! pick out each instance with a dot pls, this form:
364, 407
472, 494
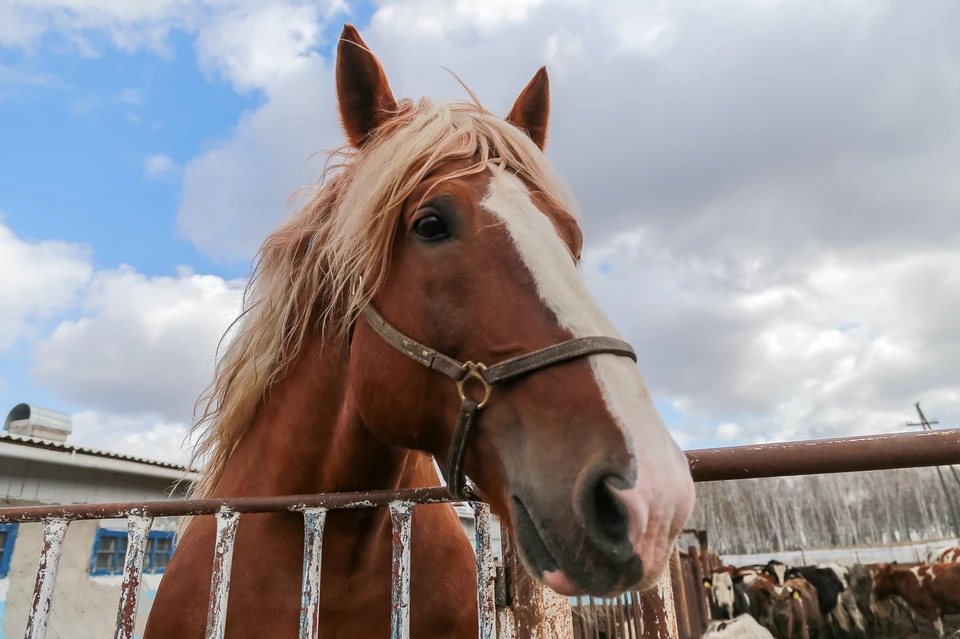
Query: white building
38, 466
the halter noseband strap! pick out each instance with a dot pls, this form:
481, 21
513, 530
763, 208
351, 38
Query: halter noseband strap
487, 376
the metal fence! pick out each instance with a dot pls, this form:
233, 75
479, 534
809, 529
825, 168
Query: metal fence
509, 602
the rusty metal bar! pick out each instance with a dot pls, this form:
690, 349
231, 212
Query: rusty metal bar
192, 507
313, 522
138, 532
227, 521
54, 531
486, 572
850, 454
842, 455
401, 514
506, 622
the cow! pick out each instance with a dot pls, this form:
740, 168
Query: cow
796, 614
949, 556
754, 595
777, 571
889, 616
740, 627
719, 585
846, 619
931, 590
825, 581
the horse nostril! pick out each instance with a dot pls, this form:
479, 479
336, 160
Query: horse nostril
605, 514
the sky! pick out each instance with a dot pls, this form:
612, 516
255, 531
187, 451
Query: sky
771, 191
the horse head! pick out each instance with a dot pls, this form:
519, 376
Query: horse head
480, 245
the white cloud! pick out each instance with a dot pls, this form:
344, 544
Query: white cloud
148, 436
42, 279
145, 346
770, 202
157, 166
131, 96
253, 45
234, 194
249, 42
11, 76
770, 189
728, 432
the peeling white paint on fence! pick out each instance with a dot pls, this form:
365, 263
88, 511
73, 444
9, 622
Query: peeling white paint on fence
313, 522
401, 514
227, 521
54, 532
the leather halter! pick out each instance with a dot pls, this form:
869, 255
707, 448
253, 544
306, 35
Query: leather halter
487, 376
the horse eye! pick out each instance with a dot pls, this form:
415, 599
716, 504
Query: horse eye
431, 228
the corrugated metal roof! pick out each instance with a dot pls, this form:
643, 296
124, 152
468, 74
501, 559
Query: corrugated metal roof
81, 450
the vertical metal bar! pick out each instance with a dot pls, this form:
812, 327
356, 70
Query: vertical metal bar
227, 521
665, 591
313, 522
486, 572
401, 514
506, 621
586, 625
138, 532
638, 612
54, 530
632, 612
624, 619
595, 618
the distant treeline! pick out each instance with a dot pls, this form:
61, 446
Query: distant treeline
824, 511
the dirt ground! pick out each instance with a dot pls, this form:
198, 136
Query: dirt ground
906, 630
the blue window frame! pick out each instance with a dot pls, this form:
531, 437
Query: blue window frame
110, 551
8, 533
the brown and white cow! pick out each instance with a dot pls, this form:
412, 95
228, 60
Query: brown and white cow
933, 590
719, 585
949, 556
797, 602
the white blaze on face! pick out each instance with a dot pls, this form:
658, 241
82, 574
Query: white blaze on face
722, 588
663, 496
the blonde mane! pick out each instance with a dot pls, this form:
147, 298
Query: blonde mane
305, 277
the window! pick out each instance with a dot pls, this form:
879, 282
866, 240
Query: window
8, 532
110, 551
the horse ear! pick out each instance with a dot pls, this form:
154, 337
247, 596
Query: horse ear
363, 94
532, 109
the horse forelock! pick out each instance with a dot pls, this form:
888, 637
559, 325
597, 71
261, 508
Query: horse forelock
307, 274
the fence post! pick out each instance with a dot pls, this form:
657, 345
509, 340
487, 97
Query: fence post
538, 612
701, 595
680, 596
659, 611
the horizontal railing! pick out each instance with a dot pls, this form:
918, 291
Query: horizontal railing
816, 456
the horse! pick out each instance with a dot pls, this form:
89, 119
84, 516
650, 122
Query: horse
441, 229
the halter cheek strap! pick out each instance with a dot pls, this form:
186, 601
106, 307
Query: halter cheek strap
486, 376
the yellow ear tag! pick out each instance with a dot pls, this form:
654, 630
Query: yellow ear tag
706, 584
796, 594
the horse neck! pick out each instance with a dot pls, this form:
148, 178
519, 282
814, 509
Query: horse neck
307, 437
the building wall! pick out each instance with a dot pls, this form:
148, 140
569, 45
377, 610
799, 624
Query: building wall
83, 607
38, 482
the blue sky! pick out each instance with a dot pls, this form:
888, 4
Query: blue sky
75, 140
769, 204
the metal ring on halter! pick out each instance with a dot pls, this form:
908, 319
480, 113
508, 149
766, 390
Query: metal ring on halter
475, 371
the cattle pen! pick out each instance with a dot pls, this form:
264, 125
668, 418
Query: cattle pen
510, 603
